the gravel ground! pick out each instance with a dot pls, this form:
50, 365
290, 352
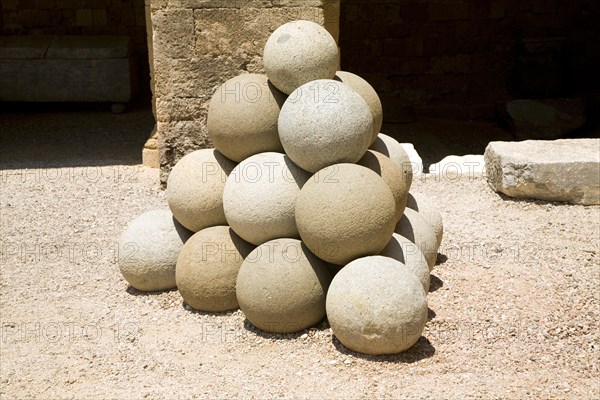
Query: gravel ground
514, 305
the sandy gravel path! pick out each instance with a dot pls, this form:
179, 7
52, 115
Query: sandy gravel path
515, 306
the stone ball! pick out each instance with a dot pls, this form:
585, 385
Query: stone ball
368, 93
323, 123
388, 146
260, 197
391, 174
282, 286
242, 117
425, 206
208, 266
401, 249
345, 211
415, 228
375, 305
148, 250
299, 52
195, 189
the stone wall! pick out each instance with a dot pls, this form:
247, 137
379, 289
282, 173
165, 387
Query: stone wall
80, 17
198, 45
457, 58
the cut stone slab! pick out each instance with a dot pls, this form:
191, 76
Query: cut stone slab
560, 170
24, 47
543, 119
469, 166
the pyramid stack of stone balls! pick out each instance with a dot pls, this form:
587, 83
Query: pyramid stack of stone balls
301, 211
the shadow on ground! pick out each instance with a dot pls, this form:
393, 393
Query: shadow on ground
419, 351
54, 135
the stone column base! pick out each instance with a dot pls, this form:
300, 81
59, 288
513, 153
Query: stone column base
150, 152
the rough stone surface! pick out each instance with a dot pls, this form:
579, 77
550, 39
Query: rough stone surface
369, 94
376, 305
414, 157
176, 139
561, 170
208, 266
260, 196
391, 174
401, 249
325, 122
299, 52
242, 117
452, 167
195, 189
345, 211
388, 146
282, 286
148, 250
418, 230
544, 119
425, 206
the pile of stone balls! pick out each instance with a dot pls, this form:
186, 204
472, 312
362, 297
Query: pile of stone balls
301, 211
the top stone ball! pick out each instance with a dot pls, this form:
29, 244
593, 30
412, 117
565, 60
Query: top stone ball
299, 52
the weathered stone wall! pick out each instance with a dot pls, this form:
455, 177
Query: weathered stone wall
80, 17
198, 45
457, 58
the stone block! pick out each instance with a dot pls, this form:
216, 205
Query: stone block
413, 47
242, 33
84, 17
86, 80
170, 109
24, 47
150, 158
543, 119
195, 77
448, 10
246, 4
560, 170
88, 47
10, 4
497, 9
45, 4
173, 33
458, 64
99, 16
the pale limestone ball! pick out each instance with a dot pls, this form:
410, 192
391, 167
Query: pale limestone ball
260, 197
148, 250
425, 206
376, 305
369, 94
195, 189
282, 286
345, 211
242, 117
415, 228
401, 249
299, 52
388, 146
323, 123
208, 266
391, 174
